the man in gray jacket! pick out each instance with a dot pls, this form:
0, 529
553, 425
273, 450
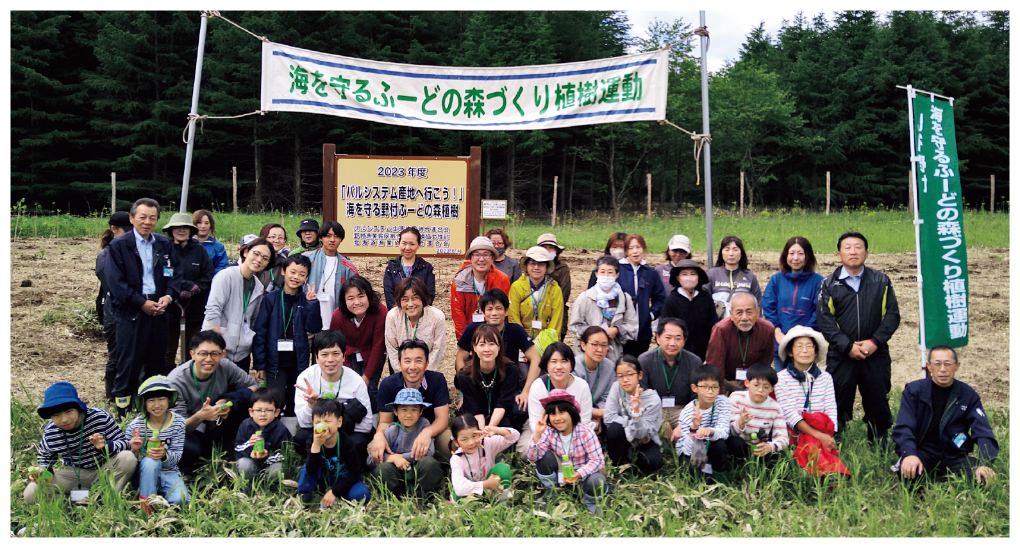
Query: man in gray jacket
667, 370
858, 314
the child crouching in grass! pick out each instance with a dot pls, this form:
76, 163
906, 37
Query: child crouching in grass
705, 424
157, 438
333, 465
758, 428
400, 472
568, 453
473, 467
258, 446
84, 436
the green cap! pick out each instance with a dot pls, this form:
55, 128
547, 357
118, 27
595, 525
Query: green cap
179, 220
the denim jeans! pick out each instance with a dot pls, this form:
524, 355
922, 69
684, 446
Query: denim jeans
152, 479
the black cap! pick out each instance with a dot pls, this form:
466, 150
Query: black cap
308, 224
121, 219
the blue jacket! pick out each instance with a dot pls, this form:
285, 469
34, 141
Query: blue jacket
648, 298
269, 329
217, 253
964, 416
790, 299
123, 271
421, 269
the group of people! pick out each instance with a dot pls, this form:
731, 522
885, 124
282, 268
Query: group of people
734, 375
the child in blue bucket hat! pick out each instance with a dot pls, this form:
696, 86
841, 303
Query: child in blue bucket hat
400, 472
84, 438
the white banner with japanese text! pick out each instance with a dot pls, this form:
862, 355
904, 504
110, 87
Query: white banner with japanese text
619, 89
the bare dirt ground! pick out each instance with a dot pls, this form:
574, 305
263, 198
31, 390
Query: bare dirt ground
47, 346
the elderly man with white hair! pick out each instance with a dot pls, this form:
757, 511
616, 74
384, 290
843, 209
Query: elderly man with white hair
741, 340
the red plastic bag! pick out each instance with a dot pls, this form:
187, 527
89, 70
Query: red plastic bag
811, 455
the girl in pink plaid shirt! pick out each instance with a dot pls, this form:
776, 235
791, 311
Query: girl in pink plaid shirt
569, 453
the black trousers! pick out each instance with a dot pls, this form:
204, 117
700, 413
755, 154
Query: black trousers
636, 347
141, 340
936, 464
110, 334
647, 456
192, 325
198, 445
740, 451
873, 378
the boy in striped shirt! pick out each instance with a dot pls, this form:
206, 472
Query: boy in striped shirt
705, 423
84, 436
758, 427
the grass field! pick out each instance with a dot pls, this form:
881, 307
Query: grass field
888, 231
749, 502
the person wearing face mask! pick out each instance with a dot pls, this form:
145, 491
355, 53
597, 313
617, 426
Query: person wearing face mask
792, 293
606, 305
614, 248
678, 249
408, 265
234, 301
196, 270
689, 301
642, 283
505, 264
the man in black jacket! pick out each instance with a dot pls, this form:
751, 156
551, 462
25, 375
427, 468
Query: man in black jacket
141, 281
858, 314
940, 421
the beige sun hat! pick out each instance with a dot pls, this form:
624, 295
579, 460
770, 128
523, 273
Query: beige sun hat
802, 331
539, 254
481, 243
549, 239
679, 241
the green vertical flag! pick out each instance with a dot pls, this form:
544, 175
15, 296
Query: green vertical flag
943, 249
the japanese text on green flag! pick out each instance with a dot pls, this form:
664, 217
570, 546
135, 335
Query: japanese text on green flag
940, 207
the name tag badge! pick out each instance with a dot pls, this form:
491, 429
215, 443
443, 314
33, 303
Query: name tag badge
536, 324
168, 272
668, 402
358, 358
477, 318
959, 439
285, 345
79, 495
741, 374
521, 357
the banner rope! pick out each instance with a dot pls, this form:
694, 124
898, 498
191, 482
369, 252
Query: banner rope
215, 13
200, 119
699, 141
703, 31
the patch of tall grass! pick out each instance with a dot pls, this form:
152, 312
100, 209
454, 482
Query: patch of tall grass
751, 501
888, 231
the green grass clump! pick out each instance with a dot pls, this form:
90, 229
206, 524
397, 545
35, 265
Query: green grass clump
888, 231
752, 501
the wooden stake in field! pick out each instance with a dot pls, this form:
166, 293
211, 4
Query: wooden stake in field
741, 193
992, 203
648, 184
113, 191
556, 186
233, 172
828, 190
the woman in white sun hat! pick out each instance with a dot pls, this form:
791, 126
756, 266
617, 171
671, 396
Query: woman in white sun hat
803, 387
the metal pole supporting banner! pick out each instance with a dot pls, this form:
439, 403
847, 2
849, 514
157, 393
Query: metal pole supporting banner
917, 224
707, 151
194, 113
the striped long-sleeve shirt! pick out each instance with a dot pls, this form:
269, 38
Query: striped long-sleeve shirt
74, 445
766, 416
585, 451
717, 418
818, 392
172, 436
